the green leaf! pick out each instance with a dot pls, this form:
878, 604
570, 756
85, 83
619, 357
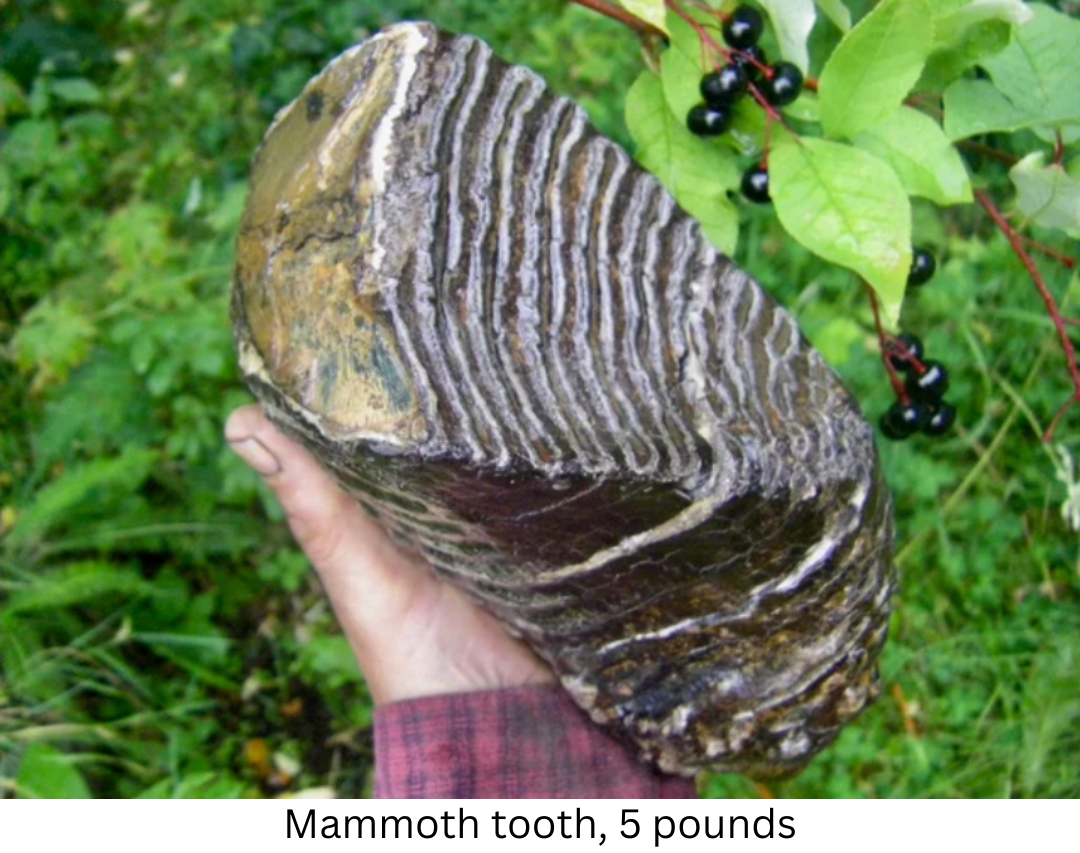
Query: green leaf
973, 107
31, 148
53, 337
966, 33
681, 69
79, 486
1047, 195
848, 207
7, 189
837, 12
79, 419
650, 11
951, 29
718, 217
45, 773
792, 22
747, 134
12, 99
1040, 70
209, 785
836, 339
927, 164
77, 583
697, 173
331, 661
976, 43
874, 66
1070, 133
806, 107
225, 219
77, 90
137, 236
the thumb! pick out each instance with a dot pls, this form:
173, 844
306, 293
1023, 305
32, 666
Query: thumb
355, 559
314, 506
412, 635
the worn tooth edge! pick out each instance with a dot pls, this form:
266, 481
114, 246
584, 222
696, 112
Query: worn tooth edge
253, 366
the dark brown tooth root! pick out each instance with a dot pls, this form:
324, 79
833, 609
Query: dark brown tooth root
527, 362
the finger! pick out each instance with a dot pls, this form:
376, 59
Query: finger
357, 562
412, 635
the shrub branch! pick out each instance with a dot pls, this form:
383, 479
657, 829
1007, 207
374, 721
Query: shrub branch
1017, 241
617, 13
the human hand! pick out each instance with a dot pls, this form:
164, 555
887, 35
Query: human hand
413, 634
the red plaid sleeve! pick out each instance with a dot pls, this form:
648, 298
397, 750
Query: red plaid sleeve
518, 743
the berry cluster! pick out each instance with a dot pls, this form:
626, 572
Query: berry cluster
921, 404
747, 71
741, 68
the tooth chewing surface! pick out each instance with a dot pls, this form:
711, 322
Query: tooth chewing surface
518, 353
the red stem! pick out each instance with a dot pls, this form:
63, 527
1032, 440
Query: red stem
707, 9
706, 39
617, 13
1017, 243
1064, 260
987, 151
1068, 404
702, 33
921, 101
770, 111
883, 344
768, 136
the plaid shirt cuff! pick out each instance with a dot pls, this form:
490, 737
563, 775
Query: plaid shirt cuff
517, 743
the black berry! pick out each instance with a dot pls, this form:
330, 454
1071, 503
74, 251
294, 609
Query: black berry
755, 185
930, 384
724, 87
749, 61
941, 420
923, 267
784, 86
901, 421
744, 27
914, 348
704, 120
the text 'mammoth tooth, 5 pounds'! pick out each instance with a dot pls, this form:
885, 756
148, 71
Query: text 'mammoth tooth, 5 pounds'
518, 353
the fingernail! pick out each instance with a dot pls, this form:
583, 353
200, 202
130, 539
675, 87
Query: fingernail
257, 455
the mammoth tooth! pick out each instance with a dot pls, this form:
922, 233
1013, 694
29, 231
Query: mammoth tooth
513, 348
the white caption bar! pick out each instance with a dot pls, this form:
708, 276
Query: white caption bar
201, 826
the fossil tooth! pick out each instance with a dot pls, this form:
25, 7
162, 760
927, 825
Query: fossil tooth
517, 352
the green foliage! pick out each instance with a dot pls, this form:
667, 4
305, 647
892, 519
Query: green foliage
1038, 69
877, 139
837, 12
156, 624
682, 162
916, 148
1046, 194
155, 620
984, 639
874, 67
651, 11
45, 773
846, 206
792, 20
966, 33
973, 107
